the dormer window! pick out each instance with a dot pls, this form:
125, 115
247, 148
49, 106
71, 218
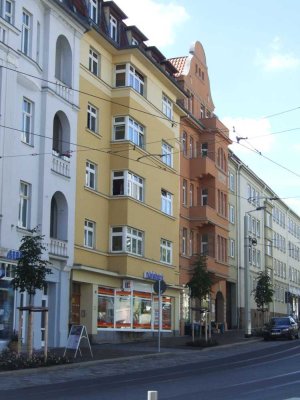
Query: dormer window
127, 75
113, 28
134, 42
93, 10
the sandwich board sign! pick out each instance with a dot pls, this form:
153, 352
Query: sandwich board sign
76, 334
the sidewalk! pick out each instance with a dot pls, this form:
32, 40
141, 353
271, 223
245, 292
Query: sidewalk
107, 351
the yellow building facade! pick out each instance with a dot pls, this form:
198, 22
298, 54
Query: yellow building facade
127, 204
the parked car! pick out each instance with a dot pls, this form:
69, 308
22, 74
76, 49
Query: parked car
281, 327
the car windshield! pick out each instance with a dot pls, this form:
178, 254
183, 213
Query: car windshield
280, 321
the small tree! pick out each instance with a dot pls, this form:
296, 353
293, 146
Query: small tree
263, 293
200, 284
31, 272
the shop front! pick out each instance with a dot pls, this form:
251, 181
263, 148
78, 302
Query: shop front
116, 309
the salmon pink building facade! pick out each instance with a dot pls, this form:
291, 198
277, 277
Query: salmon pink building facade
204, 213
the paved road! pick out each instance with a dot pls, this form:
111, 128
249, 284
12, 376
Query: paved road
256, 370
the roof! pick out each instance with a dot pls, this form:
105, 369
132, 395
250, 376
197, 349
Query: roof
178, 63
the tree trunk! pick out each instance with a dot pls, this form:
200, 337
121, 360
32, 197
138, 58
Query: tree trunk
30, 328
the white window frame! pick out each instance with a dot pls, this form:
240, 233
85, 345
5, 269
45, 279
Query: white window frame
167, 106
8, 15
94, 61
204, 197
165, 251
166, 202
92, 118
131, 77
204, 244
89, 233
184, 241
132, 240
130, 130
167, 154
113, 28
27, 121
26, 32
231, 214
231, 182
232, 248
184, 192
24, 205
91, 175
133, 185
93, 10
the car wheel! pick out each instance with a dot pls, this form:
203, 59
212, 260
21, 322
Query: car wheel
297, 336
292, 336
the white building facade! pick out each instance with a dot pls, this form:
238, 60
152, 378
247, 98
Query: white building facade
270, 242
39, 64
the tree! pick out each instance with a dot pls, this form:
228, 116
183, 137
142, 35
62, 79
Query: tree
263, 293
31, 273
200, 284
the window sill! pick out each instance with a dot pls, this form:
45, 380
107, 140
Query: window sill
96, 134
24, 231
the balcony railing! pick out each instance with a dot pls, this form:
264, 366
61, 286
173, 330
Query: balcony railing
59, 247
63, 91
61, 164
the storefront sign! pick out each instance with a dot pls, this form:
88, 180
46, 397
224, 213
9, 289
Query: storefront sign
153, 275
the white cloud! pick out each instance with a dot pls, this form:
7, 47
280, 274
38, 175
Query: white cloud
275, 58
158, 21
255, 134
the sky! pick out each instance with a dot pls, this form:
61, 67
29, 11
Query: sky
253, 55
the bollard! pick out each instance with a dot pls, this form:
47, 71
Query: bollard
152, 395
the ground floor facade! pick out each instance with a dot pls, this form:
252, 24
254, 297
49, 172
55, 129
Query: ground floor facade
117, 308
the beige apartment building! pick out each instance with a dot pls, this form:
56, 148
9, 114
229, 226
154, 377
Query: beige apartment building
127, 204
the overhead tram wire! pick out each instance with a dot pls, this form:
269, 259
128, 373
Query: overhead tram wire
126, 106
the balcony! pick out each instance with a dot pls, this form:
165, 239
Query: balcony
63, 91
202, 166
61, 164
202, 215
59, 247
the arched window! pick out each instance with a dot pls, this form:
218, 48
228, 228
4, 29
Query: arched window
61, 135
59, 217
63, 61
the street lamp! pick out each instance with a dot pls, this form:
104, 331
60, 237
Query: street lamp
249, 242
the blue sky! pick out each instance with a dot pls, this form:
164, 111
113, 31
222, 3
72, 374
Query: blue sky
253, 56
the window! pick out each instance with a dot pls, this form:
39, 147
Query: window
167, 107
113, 28
191, 147
27, 121
94, 62
127, 75
165, 251
8, 11
90, 175
93, 10
134, 42
202, 111
268, 220
126, 128
167, 154
204, 245
184, 241
24, 205
126, 239
184, 144
92, 118
191, 195
128, 184
184, 192
166, 202
26, 32
38, 41
231, 214
268, 247
89, 234
191, 243
204, 197
232, 248
204, 149
231, 181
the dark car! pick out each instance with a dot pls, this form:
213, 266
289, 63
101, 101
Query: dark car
281, 327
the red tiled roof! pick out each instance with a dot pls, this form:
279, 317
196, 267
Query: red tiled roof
179, 63
80, 6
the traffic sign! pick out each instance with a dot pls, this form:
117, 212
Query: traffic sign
160, 286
